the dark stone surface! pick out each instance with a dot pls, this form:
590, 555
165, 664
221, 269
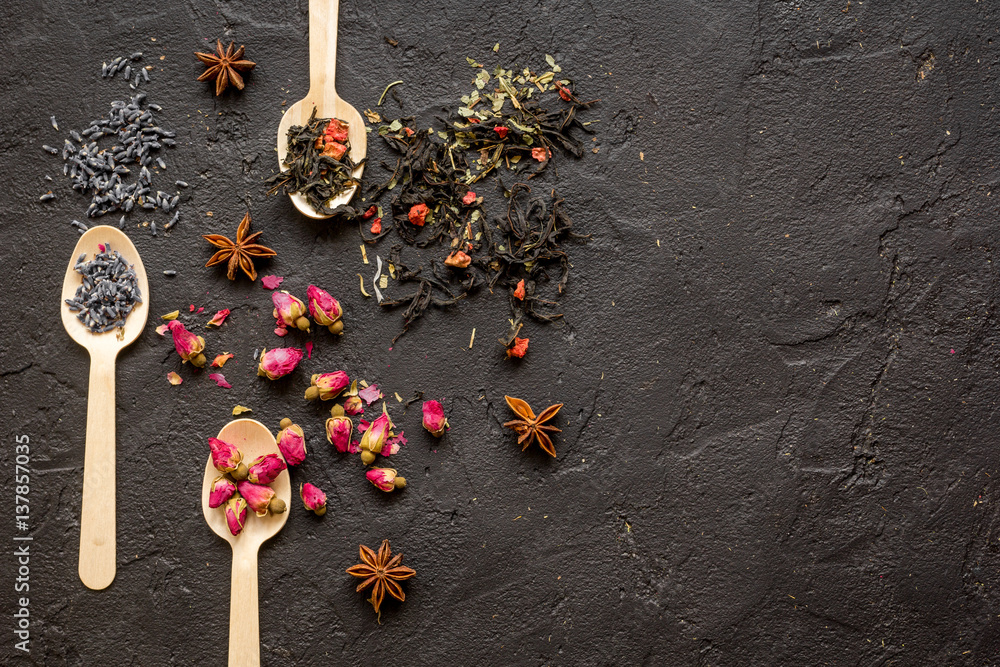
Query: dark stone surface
780, 378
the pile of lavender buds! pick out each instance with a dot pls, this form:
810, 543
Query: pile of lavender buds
109, 291
101, 171
123, 64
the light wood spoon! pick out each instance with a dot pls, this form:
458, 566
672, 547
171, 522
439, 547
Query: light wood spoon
97, 514
323, 95
253, 440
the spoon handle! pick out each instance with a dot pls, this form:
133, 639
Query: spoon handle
97, 514
244, 621
323, 51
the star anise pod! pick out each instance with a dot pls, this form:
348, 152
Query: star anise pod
383, 570
240, 254
531, 428
224, 66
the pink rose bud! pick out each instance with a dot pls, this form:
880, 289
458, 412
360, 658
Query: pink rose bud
292, 443
265, 469
385, 479
313, 498
289, 311
353, 405
325, 386
338, 432
225, 457
434, 419
325, 309
188, 346
278, 362
260, 498
221, 491
236, 514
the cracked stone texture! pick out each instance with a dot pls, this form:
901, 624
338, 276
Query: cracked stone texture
779, 371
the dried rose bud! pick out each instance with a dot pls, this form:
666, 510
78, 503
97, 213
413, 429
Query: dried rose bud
458, 259
374, 437
260, 498
434, 419
313, 498
188, 346
292, 444
289, 311
236, 514
418, 214
325, 386
240, 472
265, 469
338, 432
385, 479
353, 405
519, 291
221, 491
278, 362
325, 309
225, 457
518, 348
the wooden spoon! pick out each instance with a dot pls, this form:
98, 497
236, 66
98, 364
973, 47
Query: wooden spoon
323, 95
253, 440
97, 514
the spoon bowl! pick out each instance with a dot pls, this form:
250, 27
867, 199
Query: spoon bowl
323, 96
253, 439
97, 513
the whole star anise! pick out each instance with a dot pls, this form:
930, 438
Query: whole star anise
531, 428
383, 570
224, 66
241, 253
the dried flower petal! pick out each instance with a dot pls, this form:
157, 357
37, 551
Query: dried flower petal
218, 318
222, 490
278, 362
265, 469
225, 456
353, 406
385, 479
292, 443
418, 214
434, 419
162, 329
236, 514
174, 379
370, 394
240, 409
221, 359
309, 349
502, 131
313, 498
220, 380
392, 444
171, 315
271, 282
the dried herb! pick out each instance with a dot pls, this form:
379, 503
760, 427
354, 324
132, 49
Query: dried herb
241, 253
433, 209
382, 571
531, 428
318, 163
224, 66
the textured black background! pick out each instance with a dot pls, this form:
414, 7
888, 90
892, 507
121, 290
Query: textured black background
780, 377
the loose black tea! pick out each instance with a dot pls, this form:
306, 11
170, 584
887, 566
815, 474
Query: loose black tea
318, 162
108, 291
